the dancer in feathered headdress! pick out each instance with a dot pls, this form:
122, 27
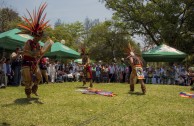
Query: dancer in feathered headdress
32, 51
36, 24
137, 71
87, 72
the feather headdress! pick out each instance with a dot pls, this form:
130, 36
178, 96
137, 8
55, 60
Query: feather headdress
83, 49
131, 52
35, 24
84, 55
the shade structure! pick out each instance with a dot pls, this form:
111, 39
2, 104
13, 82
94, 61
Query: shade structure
163, 53
61, 51
10, 39
80, 61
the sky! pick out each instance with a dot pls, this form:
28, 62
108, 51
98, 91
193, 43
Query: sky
68, 11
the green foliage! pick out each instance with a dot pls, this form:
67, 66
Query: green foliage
162, 21
61, 104
107, 40
76, 30
9, 19
68, 32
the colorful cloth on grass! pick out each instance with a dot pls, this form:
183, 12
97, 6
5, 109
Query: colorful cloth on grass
96, 91
186, 95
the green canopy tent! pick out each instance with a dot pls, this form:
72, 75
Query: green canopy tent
59, 50
80, 61
10, 39
163, 53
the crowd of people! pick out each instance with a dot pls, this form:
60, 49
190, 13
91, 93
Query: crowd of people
175, 74
54, 71
29, 68
10, 69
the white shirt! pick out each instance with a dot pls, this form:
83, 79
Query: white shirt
52, 69
112, 69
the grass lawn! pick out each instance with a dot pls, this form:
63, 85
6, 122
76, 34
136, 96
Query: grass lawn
61, 105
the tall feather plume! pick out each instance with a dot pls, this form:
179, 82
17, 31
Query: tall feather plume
131, 52
129, 49
83, 49
35, 24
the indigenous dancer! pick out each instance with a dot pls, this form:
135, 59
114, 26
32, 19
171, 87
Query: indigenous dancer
87, 72
137, 71
32, 51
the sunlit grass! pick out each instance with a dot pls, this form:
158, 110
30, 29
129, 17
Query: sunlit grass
60, 104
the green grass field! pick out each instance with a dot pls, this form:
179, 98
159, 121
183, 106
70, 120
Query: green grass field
61, 105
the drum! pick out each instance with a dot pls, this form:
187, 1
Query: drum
47, 46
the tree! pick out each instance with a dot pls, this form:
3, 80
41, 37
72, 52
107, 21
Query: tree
76, 30
160, 21
107, 40
9, 19
68, 32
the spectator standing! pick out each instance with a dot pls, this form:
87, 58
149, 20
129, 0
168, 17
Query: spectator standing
8, 72
184, 74
157, 75
93, 72
77, 75
177, 71
105, 75
16, 65
145, 72
98, 73
43, 69
52, 71
2, 73
111, 73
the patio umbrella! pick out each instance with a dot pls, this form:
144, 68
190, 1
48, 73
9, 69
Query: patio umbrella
163, 53
10, 39
61, 51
